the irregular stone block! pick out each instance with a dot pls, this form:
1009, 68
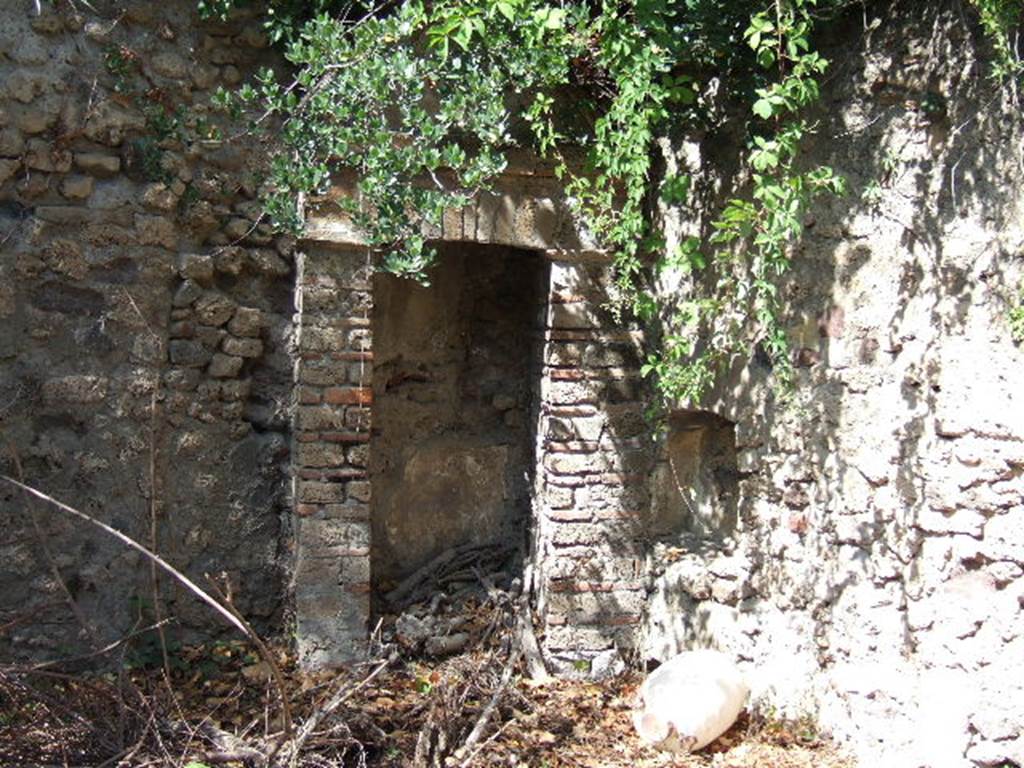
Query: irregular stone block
204, 76
188, 354
246, 321
235, 390
230, 260
183, 379
210, 336
43, 156
156, 230
55, 296
181, 329
26, 85
186, 294
358, 455
7, 169
158, 197
267, 262
170, 65
76, 187
109, 122
242, 347
97, 164
224, 366
214, 308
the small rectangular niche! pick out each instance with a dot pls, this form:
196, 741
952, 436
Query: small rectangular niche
695, 481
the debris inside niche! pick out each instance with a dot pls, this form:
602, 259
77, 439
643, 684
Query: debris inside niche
462, 598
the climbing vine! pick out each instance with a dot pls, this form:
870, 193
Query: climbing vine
422, 100
754, 236
1001, 20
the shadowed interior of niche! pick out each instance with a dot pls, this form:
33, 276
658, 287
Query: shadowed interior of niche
455, 371
695, 481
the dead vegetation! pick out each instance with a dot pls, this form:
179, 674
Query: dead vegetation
221, 708
456, 680
226, 703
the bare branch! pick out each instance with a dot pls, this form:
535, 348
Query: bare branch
127, 540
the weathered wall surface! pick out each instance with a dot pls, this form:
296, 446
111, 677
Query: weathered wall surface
594, 457
330, 545
144, 320
876, 576
860, 547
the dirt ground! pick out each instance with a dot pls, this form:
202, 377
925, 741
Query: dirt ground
222, 708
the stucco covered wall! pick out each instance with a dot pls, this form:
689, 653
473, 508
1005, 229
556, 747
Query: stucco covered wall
874, 580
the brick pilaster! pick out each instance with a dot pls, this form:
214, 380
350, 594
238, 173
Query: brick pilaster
594, 459
331, 428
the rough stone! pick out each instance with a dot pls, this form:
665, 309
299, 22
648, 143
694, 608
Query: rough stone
224, 366
156, 230
159, 198
7, 169
12, 144
197, 267
75, 390
242, 347
246, 321
48, 23
236, 390
204, 76
37, 118
42, 155
76, 187
188, 354
109, 122
170, 65
182, 379
230, 260
25, 85
187, 293
213, 308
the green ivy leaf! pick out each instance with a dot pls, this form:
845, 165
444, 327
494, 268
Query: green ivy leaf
763, 109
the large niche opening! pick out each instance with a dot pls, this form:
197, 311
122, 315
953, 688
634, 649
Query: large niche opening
455, 371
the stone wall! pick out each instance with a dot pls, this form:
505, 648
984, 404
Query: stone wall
875, 579
170, 366
145, 323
